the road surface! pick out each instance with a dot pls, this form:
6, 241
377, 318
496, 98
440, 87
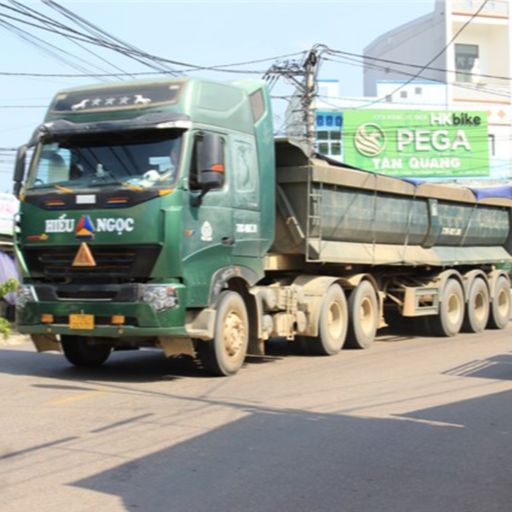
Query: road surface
413, 424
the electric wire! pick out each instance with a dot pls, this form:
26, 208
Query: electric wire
51, 23
46, 47
104, 36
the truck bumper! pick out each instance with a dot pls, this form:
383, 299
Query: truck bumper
140, 319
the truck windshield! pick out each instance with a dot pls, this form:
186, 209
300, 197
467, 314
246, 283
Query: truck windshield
149, 160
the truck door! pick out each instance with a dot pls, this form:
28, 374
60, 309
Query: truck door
246, 200
208, 235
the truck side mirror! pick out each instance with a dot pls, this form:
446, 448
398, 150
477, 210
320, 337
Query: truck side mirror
211, 162
210, 165
19, 170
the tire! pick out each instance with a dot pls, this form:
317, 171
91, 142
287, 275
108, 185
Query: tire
82, 351
500, 304
364, 313
448, 321
332, 324
225, 354
477, 307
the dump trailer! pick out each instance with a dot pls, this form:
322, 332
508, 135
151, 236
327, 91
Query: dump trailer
164, 214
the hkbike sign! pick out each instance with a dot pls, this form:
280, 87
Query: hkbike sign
417, 143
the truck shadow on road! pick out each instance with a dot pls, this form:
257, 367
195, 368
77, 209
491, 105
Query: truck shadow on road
453, 457
131, 366
135, 367
152, 366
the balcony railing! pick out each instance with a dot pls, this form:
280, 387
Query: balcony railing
492, 8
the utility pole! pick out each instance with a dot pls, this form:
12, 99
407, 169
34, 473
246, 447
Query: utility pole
302, 75
309, 96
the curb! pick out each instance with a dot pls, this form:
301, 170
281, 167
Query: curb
14, 339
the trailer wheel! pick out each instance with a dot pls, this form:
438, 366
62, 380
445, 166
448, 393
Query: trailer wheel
448, 321
500, 304
364, 312
225, 354
332, 324
477, 307
82, 351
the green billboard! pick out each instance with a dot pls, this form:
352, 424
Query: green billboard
417, 143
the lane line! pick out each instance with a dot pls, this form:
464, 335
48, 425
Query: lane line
76, 398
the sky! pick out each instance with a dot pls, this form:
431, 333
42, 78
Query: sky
200, 32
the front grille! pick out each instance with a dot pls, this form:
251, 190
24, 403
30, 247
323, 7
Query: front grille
114, 264
86, 295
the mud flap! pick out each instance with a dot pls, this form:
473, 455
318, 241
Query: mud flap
173, 346
45, 342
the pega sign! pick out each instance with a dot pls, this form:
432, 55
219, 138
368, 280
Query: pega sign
416, 143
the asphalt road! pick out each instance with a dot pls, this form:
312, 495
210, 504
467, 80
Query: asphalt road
420, 424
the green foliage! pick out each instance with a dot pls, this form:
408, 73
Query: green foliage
8, 286
5, 327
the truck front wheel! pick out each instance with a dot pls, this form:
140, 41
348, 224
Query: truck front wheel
225, 354
84, 351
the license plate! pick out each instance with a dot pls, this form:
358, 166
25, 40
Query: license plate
80, 321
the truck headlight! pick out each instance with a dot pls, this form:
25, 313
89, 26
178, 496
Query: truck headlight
25, 294
160, 297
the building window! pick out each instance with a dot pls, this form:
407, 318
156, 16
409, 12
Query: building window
492, 144
329, 127
336, 149
389, 98
323, 148
403, 94
418, 90
465, 56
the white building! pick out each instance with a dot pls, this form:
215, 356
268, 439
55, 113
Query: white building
468, 61
475, 68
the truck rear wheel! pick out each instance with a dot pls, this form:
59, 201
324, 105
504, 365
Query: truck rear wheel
448, 321
364, 313
225, 354
332, 324
477, 307
500, 304
84, 351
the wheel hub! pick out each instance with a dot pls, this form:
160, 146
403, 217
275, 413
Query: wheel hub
335, 320
233, 334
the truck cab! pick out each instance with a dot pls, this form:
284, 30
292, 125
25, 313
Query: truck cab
143, 206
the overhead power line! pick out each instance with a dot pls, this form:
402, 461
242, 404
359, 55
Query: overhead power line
22, 106
50, 22
38, 42
468, 85
40, 22
361, 57
104, 36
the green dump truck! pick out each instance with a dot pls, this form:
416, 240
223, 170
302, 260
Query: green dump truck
164, 214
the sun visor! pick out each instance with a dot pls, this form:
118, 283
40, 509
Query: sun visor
158, 121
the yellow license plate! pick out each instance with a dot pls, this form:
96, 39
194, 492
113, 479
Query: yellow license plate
80, 321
